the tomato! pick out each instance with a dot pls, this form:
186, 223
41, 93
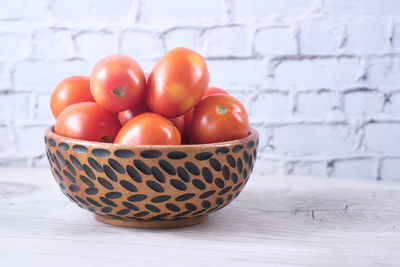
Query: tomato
178, 122
148, 129
177, 82
187, 117
218, 118
70, 91
214, 90
126, 115
117, 83
87, 121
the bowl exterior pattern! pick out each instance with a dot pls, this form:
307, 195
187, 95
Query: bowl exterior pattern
151, 182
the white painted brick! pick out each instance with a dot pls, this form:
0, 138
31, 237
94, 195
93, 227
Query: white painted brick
261, 10
317, 73
187, 37
367, 38
30, 141
178, 11
94, 46
235, 73
275, 41
393, 107
270, 106
13, 107
266, 166
390, 170
45, 75
384, 73
242, 96
146, 64
50, 44
5, 145
363, 104
320, 37
382, 138
42, 107
396, 39
13, 46
93, 10
352, 9
356, 168
313, 140
25, 9
227, 41
315, 105
141, 45
308, 168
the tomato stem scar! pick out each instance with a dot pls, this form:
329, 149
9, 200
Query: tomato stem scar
222, 110
119, 91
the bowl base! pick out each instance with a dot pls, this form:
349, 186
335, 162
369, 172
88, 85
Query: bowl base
151, 224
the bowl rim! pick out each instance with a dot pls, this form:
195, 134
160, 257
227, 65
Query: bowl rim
49, 132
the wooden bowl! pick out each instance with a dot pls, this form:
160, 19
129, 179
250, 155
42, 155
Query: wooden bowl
151, 186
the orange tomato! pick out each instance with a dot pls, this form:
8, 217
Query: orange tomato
218, 118
148, 129
70, 91
177, 82
117, 83
188, 116
87, 121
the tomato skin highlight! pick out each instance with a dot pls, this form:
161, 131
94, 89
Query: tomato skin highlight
117, 83
87, 121
177, 82
71, 90
218, 118
188, 116
148, 129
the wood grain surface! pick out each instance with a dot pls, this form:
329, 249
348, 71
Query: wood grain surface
276, 221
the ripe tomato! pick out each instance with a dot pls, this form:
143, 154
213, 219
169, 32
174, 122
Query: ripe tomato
178, 122
87, 121
126, 115
70, 91
218, 118
188, 115
177, 82
148, 129
117, 83
214, 90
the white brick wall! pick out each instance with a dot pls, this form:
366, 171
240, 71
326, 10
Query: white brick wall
320, 79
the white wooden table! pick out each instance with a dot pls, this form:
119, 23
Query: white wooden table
277, 220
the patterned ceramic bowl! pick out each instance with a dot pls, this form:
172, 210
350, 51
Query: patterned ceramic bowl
151, 186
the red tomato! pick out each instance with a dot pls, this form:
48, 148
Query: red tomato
117, 83
178, 122
148, 129
87, 121
214, 90
126, 115
188, 115
218, 118
177, 83
70, 91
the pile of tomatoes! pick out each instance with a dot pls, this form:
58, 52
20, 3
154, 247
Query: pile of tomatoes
172, 105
